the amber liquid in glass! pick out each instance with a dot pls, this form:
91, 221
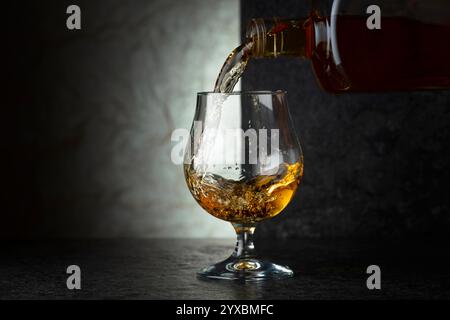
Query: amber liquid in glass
245, 201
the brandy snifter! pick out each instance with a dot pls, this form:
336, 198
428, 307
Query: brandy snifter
243, 164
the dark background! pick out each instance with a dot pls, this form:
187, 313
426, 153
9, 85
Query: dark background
376, 165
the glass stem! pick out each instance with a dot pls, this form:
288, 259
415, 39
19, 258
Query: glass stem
245, 249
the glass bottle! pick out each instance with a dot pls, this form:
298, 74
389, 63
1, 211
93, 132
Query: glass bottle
363, 46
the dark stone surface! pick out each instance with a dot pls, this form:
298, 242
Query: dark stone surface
165, 269
376, 165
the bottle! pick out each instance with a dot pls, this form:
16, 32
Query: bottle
364, 46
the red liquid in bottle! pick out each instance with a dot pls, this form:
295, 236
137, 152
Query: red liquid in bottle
404, 54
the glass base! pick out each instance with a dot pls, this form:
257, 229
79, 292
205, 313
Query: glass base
245, 270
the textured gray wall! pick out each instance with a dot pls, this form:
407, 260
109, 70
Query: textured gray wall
97, 109
375, 164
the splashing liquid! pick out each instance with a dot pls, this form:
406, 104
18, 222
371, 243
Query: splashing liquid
233, 68
248, 200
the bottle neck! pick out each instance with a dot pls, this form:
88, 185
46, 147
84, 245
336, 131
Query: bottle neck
275, 37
